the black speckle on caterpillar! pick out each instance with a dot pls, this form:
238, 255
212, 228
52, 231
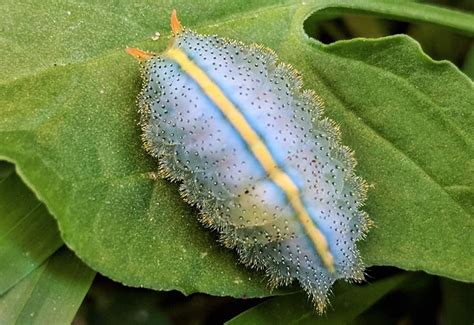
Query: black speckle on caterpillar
254, 153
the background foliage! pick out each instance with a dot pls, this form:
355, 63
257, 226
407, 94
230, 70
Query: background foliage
69, 126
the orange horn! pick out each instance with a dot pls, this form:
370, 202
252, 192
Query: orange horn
176, 26
139, 54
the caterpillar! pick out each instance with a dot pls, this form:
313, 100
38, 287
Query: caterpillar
254, 153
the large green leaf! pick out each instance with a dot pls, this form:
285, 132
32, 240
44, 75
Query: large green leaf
69, 123
28, 233
51, 294
348, 303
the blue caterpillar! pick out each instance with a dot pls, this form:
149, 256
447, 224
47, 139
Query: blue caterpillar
254, 153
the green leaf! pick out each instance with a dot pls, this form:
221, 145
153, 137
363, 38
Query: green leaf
347, 304
28, 233
69, 123
51, 294
407, 10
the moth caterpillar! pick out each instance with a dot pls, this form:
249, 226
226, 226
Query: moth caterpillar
253, 152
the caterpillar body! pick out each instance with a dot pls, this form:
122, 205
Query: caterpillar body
254, 153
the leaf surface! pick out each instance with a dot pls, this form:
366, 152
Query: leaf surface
69, 123
28, 233
51, 294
